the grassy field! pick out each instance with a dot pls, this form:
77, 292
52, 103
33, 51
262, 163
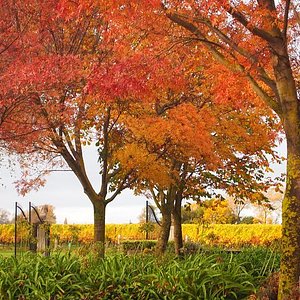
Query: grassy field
6, 253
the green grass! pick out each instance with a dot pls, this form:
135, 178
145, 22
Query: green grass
6, 250
6, 253
81, 275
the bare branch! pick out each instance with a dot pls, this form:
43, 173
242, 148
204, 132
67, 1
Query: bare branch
125, 183
286, 19
69, 143
155, 198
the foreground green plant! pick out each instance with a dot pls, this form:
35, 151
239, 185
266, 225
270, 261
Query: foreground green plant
219, 275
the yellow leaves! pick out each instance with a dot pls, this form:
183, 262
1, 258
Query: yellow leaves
7, 234
269, 170
145, 165
226, 235
257, 197
218, 212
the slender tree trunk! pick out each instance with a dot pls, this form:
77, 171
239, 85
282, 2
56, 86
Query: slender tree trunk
99, 225
164, 232
290, 259
176, 214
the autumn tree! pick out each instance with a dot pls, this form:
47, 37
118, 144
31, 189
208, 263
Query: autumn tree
270, 210
64, 52
15, 19
210, 211
230, 96
255, 41
159, 137
238, 205
196, 149
218, 212
80, 82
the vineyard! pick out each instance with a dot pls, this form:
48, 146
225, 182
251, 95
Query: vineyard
230, 236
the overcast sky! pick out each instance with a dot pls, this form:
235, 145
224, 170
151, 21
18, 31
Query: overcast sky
65, 193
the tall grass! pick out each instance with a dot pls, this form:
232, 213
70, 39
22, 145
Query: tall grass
67, 276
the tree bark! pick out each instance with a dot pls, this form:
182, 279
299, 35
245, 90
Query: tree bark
164, 232
99, 225
176, 214
290, 117
290, 259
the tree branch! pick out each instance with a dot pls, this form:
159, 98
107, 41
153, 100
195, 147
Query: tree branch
155, 198
122, 186
256, 31
113, 173
69, 143
105, 154
234, 66
286, 19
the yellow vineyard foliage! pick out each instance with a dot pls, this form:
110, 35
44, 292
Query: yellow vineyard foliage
219, 234
233, 236
7, 233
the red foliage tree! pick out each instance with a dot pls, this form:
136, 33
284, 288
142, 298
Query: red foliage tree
78, 81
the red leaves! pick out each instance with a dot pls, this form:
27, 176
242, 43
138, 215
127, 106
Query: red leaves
44, 73
121, 80
81, 66
155, 3
138, 77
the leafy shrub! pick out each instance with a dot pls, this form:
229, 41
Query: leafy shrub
138, 245
220, 275
261, 261
147, 227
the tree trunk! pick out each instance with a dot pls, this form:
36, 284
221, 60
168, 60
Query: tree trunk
290, 117
178, 240
290, 259
99, 225
164, 232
